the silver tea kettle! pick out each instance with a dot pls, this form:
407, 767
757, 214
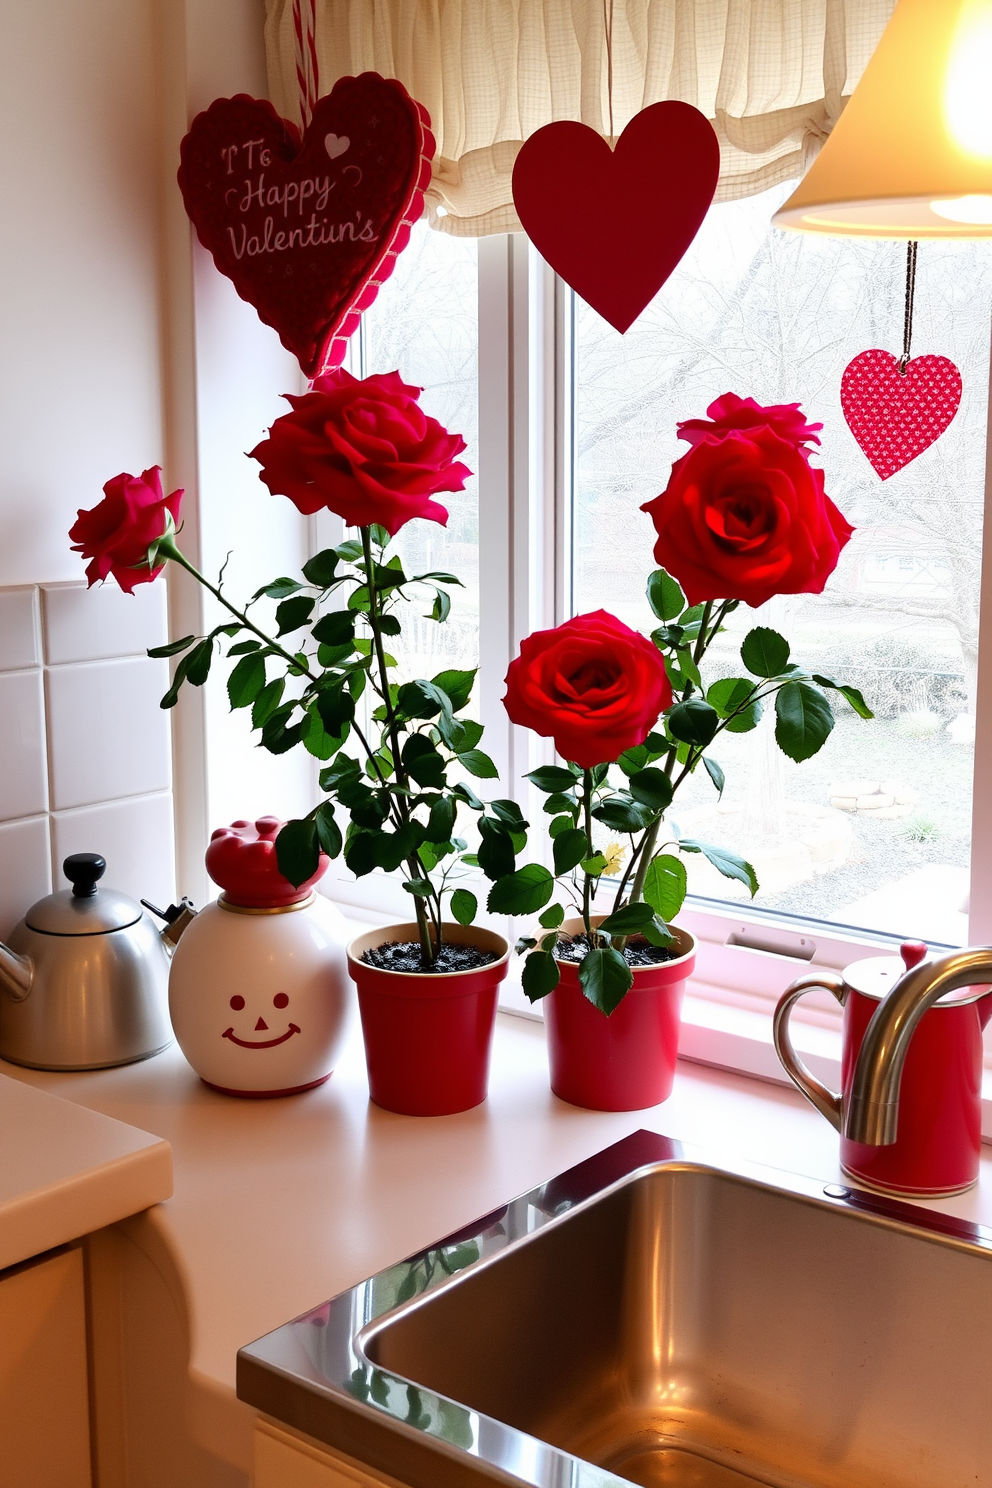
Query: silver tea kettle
84, 979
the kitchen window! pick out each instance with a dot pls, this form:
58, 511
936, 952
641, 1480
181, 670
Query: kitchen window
571, 427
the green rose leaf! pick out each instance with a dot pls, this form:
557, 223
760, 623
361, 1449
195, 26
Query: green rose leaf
692, 722
729, 694
570, 847
442, 821
496, 854
335, 629
267, 701
559, 825
623, 816
464, 906
174, 647
510, 814
359, 853
198, 663
458, 686
715, 772
852, 694
320, 569
389, 625
665, 885
241, 649
294, 613
552, 917
523, 892
556, 803
328, 831
630, 919
764, 652
423, 763
652, 788
441, 608
298, 851
727, 863
246, 680
278, 589
540, 975
803, 720
605, 978
550, 778
478, 764
336, 707
392, 848
665, 595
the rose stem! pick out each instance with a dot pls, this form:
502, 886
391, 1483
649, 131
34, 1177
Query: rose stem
587, 877
168, 547
650, 837
428, 950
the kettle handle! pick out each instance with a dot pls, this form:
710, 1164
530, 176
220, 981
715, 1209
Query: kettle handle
826, 1102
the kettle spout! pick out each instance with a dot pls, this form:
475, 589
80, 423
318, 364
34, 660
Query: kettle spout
16, 973
176, 918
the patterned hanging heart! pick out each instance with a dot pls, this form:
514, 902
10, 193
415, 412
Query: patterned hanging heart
308, 229
615, 223
896, 415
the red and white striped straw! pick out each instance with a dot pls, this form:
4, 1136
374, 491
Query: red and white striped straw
304, 30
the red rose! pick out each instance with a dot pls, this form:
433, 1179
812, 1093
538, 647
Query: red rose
117, 533
731, 412
593, 685
744, 515
364, 449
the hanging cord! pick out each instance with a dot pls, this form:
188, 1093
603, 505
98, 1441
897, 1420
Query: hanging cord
608, 23
304, 37
907, 322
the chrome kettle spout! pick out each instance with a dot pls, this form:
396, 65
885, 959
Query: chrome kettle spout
16, 973
872, 1110
176, 918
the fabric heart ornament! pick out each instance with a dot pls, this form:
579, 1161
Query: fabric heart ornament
615, 223
896, 415
307, 229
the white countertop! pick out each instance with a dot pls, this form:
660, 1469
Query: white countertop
280, 1204
66, 1171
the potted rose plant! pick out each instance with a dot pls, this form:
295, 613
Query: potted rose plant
321, 677
744, 517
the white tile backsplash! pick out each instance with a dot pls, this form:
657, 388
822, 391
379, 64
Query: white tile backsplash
23, 773
25, 868
19, 631
109, 737
85, 749
135, 837
93, 624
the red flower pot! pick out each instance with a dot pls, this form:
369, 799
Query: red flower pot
428, 1035
626, 1061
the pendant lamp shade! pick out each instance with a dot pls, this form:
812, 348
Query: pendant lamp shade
911, 155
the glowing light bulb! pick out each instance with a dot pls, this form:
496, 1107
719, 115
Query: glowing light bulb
967, 97
975, 209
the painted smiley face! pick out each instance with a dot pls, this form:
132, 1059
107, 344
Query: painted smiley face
281, 1000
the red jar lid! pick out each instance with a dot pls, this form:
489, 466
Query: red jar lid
241, 858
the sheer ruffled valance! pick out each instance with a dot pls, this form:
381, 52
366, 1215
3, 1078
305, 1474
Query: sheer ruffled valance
772, 76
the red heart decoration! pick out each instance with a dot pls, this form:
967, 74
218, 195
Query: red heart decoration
308, 229
896, 415
615, 223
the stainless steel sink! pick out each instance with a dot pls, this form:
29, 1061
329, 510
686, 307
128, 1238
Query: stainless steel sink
651, 1318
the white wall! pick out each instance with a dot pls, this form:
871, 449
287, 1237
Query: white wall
122, 347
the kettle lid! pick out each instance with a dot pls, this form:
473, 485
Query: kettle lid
84, 909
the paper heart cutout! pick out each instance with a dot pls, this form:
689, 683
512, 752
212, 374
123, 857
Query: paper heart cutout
895, 416
305, 237
615, 223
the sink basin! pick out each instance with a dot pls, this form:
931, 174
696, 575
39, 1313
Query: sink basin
650, 1317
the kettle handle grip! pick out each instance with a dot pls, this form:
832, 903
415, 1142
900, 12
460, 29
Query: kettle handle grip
826, 1102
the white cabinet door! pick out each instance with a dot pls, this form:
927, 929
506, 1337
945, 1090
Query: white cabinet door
283, 1460
44, 1398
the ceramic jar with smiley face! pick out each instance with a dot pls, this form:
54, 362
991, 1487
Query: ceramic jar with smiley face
259, 990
